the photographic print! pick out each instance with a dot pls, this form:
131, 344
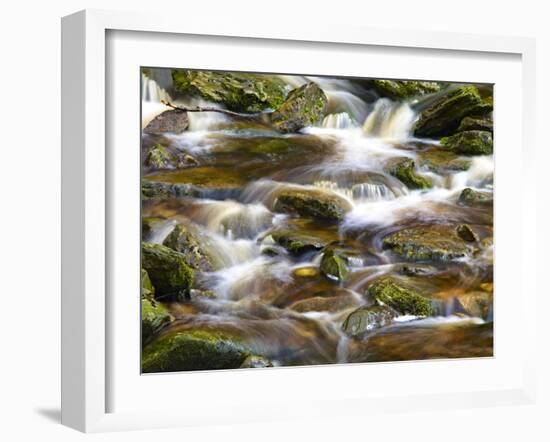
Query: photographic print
295, 220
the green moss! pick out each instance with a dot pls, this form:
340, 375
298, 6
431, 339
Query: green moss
241, 92
193, 350
403, 299
470, 197
334, 266
147, 289
154, 316
158, 157
167, 269
404, 170
400, 90
476, 123
366, 319
182, 240
472, 142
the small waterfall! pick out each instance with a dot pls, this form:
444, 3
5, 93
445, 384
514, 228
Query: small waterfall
479, 174
161, 231
152, 92
389, 120
359, 192
341, 120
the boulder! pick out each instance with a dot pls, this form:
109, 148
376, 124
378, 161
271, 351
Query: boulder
182, 350
471, 197
174, 121
334, 266
476, 123
402, 89
240, 92
445, 115
304, 106
167, 269
154, 317
438, 242
403, 169
406, 301
471, 142
182, 240
312, 203
368, 318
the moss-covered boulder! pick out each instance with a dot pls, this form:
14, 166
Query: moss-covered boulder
174, 121
334, 266
445, 115
428, 243
241, 92
167, 269
368, 318
404, 89
184, 241
256, 362
471, 197
182, 350
304, 106
387, 291
312, 203
404, 169
476, 123
154, 317
159, 157
471, 142
147, 289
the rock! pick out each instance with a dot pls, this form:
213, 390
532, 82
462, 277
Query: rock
404, 170
256, 362
334, 266
183, 350
158, 157
368, 318
466, 233
470, 197
476, 123
438, 242
174, 121
154, 316
240, 92
147, 289
404, 300
167, 269
182, 240
472, 142
313, 203
304, 106
331, 304
442, 161
417, 270
296, 242
477, 304
401, 90
306, 272
444, 116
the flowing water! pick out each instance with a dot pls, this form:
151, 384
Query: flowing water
260, 287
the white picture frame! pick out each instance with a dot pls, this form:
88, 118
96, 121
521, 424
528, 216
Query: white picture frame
86, 352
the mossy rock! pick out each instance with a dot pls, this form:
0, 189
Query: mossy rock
442, 161
476, 123
404, 169
241, 92
368, 318
312, 203
296, 242
167, 269
147, 289
193, 350
404, 89
445, 115
472, 142
256, 362
159, 157
471, 197
182, 240
304, 106
334, 266
404, 300
174, 121
428, 243
154, 317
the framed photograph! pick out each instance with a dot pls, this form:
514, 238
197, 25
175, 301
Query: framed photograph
286, 223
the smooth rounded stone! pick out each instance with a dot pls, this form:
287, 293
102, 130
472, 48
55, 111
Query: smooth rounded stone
330, 301
405, 300
444, 116
438, 242
476, 304
154, 317
442, 161
312, 203
334, 265
471, 197
466, 233
304, 106
174, 121
404, 169
147, 289
238, 91
467, 339
182, 240
296, 242
256, 362
471, 142
368, 318
167, 269
182, 350
403, 89
476, 123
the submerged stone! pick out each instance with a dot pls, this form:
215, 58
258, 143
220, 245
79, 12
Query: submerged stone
313, 203
368, 318
389, 292
404, 170
174, 121
304, 106
331, 304
472, 142
476, 304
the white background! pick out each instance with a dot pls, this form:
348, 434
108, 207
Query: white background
30, 79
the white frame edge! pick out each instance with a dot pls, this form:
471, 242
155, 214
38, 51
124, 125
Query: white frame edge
84, 346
